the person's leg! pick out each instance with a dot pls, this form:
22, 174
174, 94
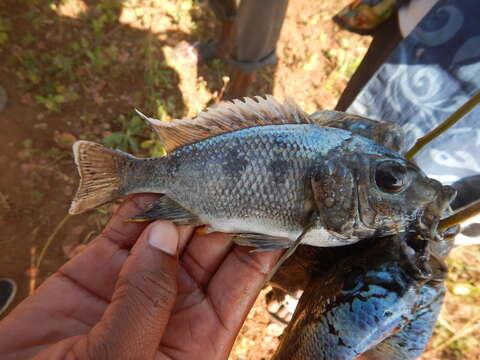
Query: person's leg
386, 38
257, 29
225, 11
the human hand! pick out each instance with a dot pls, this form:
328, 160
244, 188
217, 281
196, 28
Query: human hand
126, 297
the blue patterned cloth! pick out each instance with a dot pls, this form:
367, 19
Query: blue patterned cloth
432, 72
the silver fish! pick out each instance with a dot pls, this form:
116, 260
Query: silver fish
266, 172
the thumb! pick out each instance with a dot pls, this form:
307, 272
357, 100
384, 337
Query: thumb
144, 296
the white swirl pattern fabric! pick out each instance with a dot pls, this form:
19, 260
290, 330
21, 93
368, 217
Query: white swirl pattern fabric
432, 72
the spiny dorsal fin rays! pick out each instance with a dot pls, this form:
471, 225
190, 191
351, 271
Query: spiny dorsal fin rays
153, 123
323, 117
224, 118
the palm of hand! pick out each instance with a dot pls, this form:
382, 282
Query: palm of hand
80, 310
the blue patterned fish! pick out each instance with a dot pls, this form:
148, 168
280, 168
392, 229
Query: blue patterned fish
379, 300
266, 172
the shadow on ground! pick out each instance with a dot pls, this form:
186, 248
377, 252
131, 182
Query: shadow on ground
72, 72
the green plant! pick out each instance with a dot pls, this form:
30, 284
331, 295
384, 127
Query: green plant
127, 138
153, 146
4, 30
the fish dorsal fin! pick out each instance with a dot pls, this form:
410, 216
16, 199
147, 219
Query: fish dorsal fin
226, 117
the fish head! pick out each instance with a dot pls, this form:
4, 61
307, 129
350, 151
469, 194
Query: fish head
393, 192
371, 191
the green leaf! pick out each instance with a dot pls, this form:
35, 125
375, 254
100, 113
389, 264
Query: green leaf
158, 150
133, 145
114, 139
147, 144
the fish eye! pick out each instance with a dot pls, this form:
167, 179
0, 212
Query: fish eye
391, 177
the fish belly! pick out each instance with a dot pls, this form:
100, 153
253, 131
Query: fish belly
252, 225
313, 236
319, 236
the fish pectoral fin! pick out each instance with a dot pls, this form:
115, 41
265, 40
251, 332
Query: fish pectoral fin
167, 209
287, 254
262, 242
269, 243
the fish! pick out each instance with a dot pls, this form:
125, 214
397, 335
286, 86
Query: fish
266, 172
374, 300
378, 299
388, 134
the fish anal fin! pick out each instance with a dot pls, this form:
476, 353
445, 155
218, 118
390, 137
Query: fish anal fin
261, 241
167, 209
226, 117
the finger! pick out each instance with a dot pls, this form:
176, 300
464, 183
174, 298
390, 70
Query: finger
97, 267
237, 283
199, 262
185, 232
125, 233
203, 255
222, 309
144, 295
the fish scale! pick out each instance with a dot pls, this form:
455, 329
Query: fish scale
379, 298
357, 305
248, 195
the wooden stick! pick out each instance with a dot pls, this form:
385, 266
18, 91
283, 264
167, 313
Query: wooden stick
440, 129
32, 271
50, 239
225, 80
461, 215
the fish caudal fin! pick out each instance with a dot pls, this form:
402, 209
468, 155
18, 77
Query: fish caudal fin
100, 175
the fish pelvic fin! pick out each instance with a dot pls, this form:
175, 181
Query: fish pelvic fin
100, 175
262, 242
167, 209
227, 117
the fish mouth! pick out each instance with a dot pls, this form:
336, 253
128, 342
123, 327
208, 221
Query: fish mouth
441, 204
429, 218
449, 193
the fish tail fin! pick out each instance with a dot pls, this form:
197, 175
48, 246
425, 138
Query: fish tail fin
100, 171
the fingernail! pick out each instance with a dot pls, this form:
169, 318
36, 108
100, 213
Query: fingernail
163, 236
